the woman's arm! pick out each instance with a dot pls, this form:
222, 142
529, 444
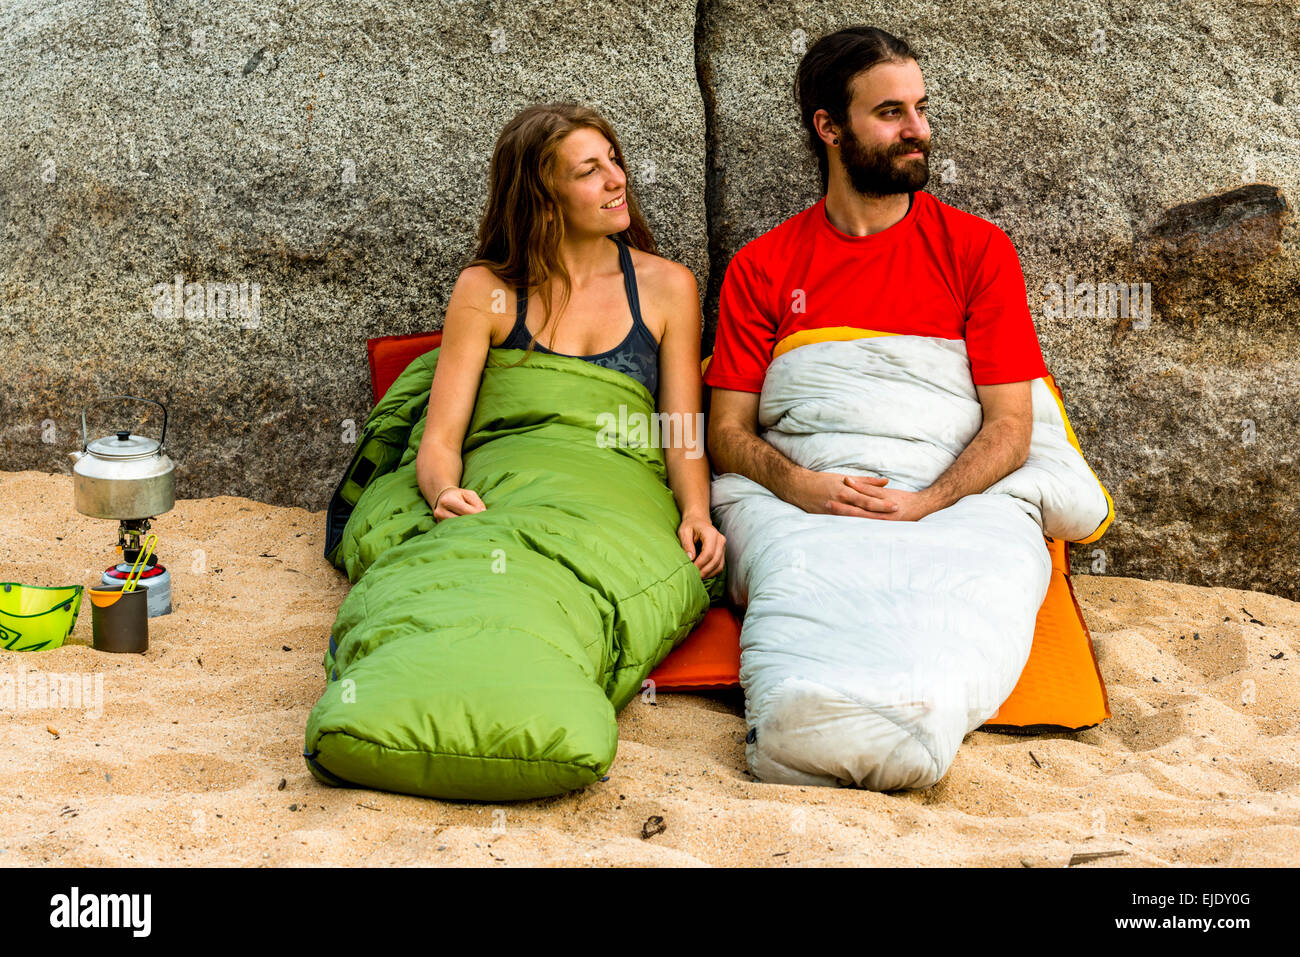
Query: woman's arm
680, 390
466, 338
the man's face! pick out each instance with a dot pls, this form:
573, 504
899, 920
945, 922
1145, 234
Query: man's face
886, 146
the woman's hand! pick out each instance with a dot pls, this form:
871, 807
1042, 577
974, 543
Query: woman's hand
711, 553
457, 501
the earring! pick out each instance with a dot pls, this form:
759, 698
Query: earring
836, 141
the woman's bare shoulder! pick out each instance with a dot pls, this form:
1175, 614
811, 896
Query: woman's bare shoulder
666, 289
478, 282
657, 268
481, 297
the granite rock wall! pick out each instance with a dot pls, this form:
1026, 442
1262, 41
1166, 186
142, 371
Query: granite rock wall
328, 162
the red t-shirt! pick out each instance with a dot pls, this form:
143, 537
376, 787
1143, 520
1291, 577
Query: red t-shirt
939, 271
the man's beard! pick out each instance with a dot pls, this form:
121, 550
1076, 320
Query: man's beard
878, 172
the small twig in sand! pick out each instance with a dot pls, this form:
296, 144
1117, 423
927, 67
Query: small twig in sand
1034, 759
1093, 856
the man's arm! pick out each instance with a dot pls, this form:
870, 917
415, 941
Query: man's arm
735, 446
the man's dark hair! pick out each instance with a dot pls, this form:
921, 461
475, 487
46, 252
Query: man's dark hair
828, 68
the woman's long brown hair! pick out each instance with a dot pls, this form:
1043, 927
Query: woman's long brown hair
516, 240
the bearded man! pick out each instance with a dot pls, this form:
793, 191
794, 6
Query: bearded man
876, 382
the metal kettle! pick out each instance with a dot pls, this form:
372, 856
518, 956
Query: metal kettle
123, 476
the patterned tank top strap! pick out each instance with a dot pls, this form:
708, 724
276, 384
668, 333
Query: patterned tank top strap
519, 334
521, 307
629, 283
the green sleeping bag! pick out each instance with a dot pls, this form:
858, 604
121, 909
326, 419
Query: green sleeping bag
485, 656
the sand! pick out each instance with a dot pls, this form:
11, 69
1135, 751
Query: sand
193, 754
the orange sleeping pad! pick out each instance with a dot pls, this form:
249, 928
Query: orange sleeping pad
1061, 687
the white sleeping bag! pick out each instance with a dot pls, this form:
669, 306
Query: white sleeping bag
870, 647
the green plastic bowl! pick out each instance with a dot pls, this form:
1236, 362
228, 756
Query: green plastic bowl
35, 617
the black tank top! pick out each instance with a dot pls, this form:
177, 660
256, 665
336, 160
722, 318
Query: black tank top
637, 355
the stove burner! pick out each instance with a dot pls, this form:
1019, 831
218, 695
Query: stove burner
129, 533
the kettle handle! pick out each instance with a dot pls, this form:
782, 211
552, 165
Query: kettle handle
85, 439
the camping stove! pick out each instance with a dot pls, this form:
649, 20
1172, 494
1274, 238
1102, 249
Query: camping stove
155, 579
128, 478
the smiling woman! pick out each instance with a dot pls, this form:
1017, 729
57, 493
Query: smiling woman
581, 173
521, 572
562, 222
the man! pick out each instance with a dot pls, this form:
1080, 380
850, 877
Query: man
886, 257
884, 531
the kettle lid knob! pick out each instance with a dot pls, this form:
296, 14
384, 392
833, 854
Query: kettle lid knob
123, 435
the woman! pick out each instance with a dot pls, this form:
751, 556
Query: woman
558, 195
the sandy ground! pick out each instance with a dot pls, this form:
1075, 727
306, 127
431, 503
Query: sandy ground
193, 755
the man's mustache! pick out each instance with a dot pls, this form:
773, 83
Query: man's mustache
922, 148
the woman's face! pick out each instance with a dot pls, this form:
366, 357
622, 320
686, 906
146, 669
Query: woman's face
588, 179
